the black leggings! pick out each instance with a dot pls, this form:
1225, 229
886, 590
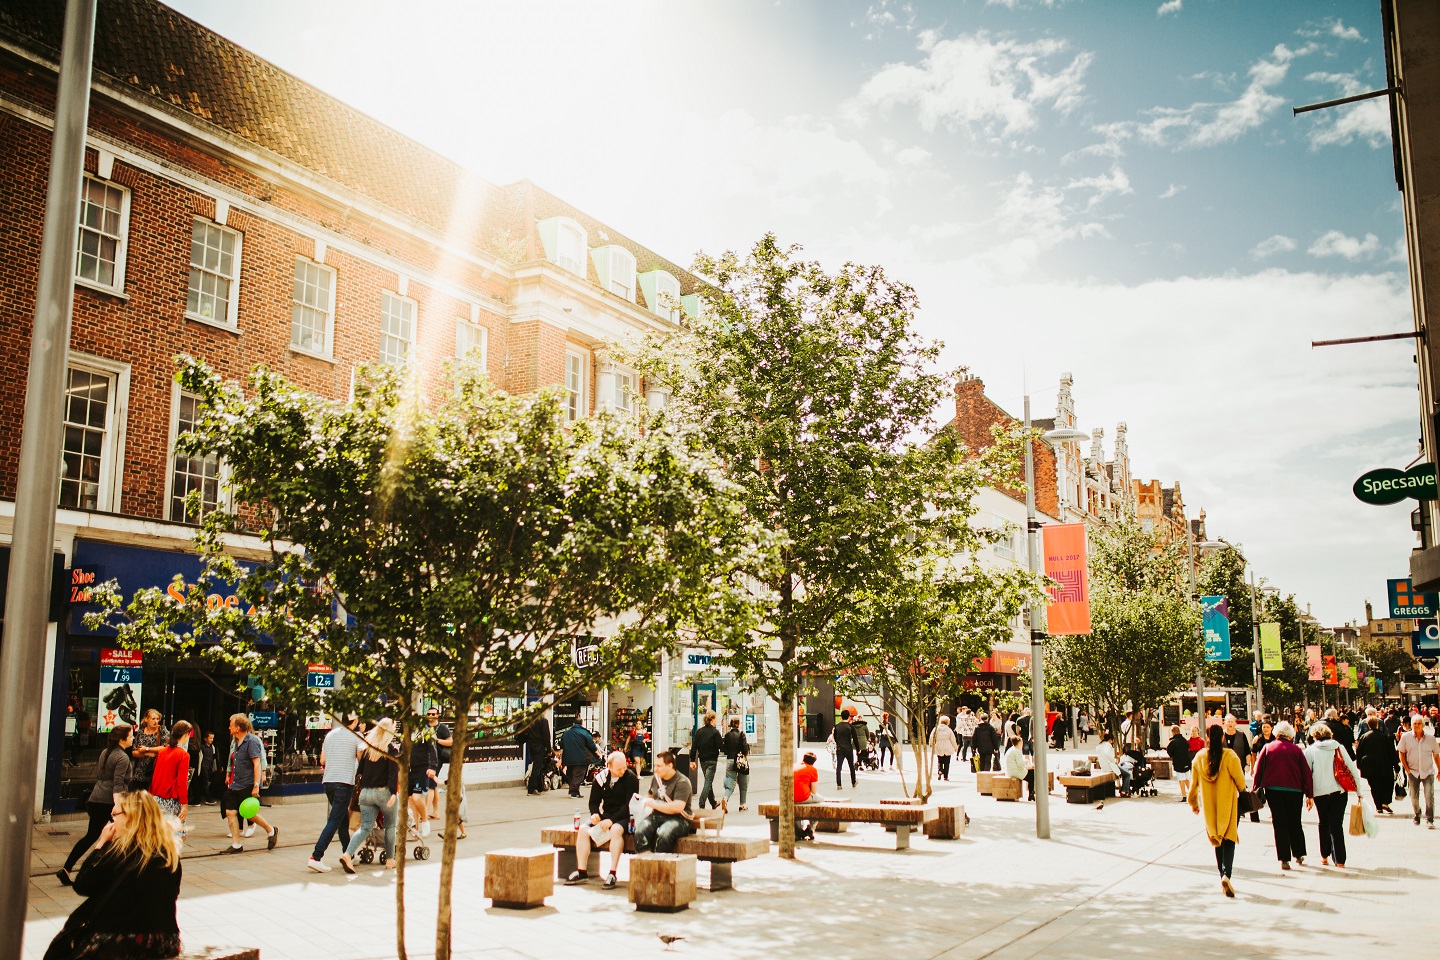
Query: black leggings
1225, 857
1331, 808
843, 757
885, 751
944, 761
99, 816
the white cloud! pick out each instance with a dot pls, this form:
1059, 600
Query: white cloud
888, 14
1279, 243
988, 86
1169, 6
1333, 243
1368, 120
1342, 32
1114, 184
1210, 124
912, 156
1173, 190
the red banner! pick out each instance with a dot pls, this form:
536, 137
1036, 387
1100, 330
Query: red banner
1065, 563
1332, 676
120, 658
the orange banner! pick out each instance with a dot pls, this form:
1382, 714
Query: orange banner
1065, 563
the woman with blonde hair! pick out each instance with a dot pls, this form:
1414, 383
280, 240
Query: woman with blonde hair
378, 778
130, 882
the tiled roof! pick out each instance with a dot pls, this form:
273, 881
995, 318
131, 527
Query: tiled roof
176, 65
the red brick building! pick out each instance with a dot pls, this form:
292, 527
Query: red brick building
234, 212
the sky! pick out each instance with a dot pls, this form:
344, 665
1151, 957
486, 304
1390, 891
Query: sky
1116, 189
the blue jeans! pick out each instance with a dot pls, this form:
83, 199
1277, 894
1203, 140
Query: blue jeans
707, 792
339, 795
734, 776
373, 802
660, 832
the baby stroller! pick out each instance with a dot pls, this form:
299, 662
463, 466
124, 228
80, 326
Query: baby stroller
373, 850
1142, 776
869, 759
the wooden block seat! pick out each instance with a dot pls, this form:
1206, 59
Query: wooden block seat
663, 882
718, 851
902, 802
949, 822
1006, 788
1161, 766
1088, 789
904, 817
519, 878
983, 781
219, 953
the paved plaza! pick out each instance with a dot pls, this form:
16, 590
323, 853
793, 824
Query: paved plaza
1134, 879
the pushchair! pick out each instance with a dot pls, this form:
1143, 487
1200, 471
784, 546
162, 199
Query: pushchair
373, 850
869, 758
1142, 776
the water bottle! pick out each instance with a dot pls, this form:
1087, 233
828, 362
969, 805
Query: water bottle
576, 820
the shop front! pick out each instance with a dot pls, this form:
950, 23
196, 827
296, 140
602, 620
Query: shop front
698, 685
996, 674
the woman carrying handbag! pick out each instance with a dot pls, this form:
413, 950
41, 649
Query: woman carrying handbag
137, 855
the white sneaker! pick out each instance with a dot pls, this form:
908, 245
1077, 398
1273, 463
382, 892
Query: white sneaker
425, 829
319, 866
249, 831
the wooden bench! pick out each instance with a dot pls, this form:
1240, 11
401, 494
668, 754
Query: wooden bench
720, 852
664, 882
949, 823
220, 953
1083, 789
1006, 788
1161, 766
519, 879
983, 781
903, 817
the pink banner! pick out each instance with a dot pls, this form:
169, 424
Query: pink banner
1312, 660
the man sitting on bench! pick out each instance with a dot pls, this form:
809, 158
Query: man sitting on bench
609, 817
806, 776
667, 808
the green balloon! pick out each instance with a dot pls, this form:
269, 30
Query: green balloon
249, 807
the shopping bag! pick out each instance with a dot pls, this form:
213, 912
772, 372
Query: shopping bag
1400, 787
1357, 821
1372, 823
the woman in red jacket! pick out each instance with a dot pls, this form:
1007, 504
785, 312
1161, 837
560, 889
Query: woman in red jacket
170, 783
1282, 771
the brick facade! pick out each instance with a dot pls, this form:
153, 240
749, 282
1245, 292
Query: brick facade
976, 415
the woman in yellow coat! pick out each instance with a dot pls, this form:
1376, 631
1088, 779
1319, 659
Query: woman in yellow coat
1216, 776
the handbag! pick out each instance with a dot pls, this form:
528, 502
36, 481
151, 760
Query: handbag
742, 762
1400, 786
1342, 773
74, 937
1250, 801
1357, 822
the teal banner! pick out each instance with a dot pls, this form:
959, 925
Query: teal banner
1215, 618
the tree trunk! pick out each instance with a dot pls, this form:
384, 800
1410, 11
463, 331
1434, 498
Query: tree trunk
920, 746
454, 794
402, 822
787, 778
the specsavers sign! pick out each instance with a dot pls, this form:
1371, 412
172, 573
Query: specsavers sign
1388, 485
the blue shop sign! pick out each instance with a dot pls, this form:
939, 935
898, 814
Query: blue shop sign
265, 720
137, 568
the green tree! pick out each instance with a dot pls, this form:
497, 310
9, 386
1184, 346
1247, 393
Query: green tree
1144, 645
1392, 661
457, 548
813, 389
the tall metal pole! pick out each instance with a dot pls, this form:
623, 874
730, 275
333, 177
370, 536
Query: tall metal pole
1255, 639
1200, 629
1038, 728
22, 654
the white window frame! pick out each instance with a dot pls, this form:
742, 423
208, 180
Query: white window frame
607, 259
650, 282
577, 404
222, 494
479, 336
624, 375
122, 246
112, 451
329, 352
551, 233
232, 312
388, 297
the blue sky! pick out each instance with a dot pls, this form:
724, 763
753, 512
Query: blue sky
1113, 188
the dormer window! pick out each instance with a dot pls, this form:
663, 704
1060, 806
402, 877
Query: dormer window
615, 266
565, 243
661, 292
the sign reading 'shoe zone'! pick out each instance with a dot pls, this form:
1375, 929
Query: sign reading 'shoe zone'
1388, 485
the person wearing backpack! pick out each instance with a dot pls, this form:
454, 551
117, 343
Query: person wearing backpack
1335, 777
737, 761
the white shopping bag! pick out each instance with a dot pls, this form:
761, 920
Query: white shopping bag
1367, 814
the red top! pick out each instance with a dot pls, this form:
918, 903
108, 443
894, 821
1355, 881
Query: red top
806, 777
171, 779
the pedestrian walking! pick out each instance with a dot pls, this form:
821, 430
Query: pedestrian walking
339, 755
112, 778
150, 739
1378, 760
705, 749
130, 883
1179, 750
885, 743
846, 748
1084, 727
535, 742
965, 724
424, 762
1217, 782
1334, 776
577, 753
637, 750
1283, 772
444, 739
378, 778
737, 761
1420, 756
987, 743
243, 780
170, 782
943, 746
205, 773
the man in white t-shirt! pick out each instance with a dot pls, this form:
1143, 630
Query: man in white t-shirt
1420, 756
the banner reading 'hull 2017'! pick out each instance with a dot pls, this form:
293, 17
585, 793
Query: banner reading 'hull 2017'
1065, 563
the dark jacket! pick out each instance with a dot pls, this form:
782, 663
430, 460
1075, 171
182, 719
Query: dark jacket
706, 747
378, 773
862, 734
577, 747
112, 776
424, 755
1282, 764
1179, 750
734, 744
1022, 727
844, 737
144, 902
1376, 755
986, 740
612, 801
536, 737
1345, 736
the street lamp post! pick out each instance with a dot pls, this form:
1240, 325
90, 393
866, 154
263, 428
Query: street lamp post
1038, 726
1192, 549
